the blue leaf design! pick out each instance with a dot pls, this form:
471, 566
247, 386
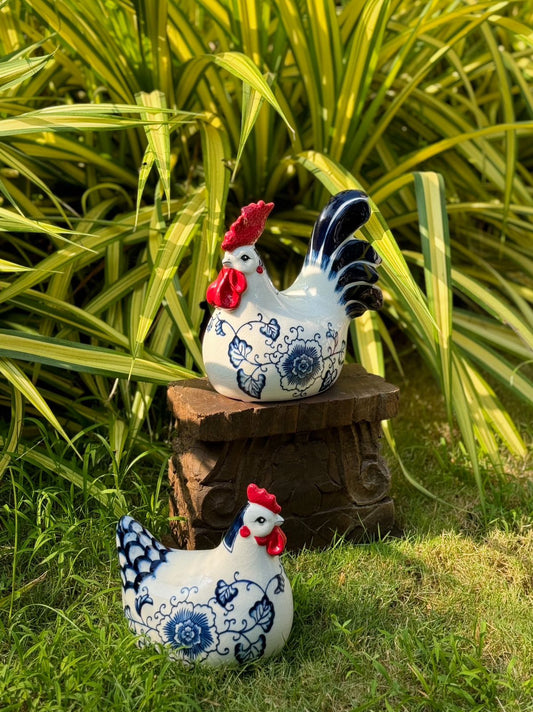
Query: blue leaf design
250, 652
271, 330
250, 385
238, 351
328, 380
225, 592
280, 584
262, 613
140, 601
219, 327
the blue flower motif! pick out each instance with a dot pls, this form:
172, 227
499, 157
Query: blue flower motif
300, 367
190, 630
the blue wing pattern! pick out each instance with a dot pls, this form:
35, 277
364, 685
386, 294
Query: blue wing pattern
139, 553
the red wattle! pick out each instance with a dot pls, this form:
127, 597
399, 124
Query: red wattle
274, 542
225, 292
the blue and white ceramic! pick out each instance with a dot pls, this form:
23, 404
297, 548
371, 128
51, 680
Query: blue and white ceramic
231, 604
266, 345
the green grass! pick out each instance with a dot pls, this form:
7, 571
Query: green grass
436, 619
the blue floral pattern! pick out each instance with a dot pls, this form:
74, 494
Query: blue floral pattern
190, 629
300, 367
196, 631
297, 364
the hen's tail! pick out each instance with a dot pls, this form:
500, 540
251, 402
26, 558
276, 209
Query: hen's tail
350, 262
139, 553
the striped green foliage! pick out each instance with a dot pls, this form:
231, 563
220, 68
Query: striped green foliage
128, 140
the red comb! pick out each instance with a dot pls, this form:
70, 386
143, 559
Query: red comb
248, 227
257, 495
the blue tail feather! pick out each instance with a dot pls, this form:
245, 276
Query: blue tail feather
345, 213
358, 273
358, 299
351, 263
354, 252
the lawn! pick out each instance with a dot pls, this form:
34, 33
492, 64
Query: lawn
434, 617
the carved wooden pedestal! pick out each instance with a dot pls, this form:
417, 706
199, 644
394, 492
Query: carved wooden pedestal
320, 457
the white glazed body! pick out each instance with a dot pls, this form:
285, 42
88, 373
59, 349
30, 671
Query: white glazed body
229, 605
277, 345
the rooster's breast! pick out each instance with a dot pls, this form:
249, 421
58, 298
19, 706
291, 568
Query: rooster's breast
292, 347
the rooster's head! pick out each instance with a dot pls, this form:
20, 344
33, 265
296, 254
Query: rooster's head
240, 257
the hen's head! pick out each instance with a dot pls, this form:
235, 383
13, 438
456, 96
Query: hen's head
261, 520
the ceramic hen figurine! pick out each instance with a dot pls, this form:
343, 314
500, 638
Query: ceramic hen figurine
231, 604
266, 345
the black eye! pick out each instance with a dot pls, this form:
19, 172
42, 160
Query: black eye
260, 520
245, 258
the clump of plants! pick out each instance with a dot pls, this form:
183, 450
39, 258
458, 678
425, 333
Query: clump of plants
129, 139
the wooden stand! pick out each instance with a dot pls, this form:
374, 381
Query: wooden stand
319, 456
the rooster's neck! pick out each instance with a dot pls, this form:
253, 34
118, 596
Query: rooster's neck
259, 293
260, 285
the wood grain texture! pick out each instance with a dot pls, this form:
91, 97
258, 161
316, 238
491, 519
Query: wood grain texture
357, 395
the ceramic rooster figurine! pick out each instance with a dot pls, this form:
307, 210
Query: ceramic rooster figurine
266, 345
231, 604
